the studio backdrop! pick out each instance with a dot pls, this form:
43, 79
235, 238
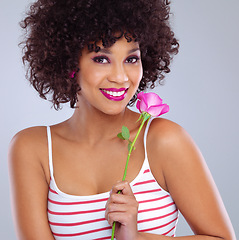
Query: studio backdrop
202, 91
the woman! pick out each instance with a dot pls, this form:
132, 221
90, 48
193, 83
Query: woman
98, 55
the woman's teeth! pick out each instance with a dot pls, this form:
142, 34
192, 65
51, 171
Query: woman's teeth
114, 94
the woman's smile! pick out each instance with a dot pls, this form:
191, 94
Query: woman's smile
114, 94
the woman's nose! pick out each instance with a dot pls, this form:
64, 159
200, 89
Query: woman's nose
118, 74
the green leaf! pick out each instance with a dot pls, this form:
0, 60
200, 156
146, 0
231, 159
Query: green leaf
119, 135
125, 133
139, 118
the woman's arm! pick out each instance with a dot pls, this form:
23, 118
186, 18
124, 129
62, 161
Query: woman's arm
29, 187
173, 155
188, 180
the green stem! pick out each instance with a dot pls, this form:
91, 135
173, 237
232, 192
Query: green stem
144, 119
131, 148
113, 231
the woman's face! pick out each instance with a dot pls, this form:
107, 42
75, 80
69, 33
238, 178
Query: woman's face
110, 77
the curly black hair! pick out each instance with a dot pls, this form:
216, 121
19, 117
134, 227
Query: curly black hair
56, 31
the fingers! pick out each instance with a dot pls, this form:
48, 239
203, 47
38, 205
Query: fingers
125, 196
119, 202
121, 217
122, 186
122, 207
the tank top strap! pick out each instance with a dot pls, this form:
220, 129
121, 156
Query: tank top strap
50, 150
145, 138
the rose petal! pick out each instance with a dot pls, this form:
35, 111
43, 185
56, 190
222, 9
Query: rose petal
140, 95
143, 106
142, 98
152, 99
165, 109
151, 103
138, 105
155, 111
158, 110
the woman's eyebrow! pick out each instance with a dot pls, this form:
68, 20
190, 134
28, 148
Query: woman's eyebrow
134, 50
107, 51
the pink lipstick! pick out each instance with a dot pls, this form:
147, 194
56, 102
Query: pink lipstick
114, 94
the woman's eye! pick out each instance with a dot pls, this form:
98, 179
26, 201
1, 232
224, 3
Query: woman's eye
132, 59
101, 59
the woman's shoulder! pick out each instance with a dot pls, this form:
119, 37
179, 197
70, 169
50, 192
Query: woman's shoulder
172, 153
165, 131
28, 143
30, 136
167, 138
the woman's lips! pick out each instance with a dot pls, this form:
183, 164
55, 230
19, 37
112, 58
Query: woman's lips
114, 94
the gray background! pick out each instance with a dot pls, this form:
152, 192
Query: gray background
202, 91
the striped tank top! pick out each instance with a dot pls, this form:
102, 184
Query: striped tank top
74, 217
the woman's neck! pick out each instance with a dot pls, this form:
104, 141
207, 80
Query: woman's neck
94, 125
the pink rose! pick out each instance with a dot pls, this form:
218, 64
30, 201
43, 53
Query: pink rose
151, 103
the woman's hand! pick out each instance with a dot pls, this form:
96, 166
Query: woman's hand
123, 209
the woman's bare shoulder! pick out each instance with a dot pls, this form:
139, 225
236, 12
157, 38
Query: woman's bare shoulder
167, 133
29, 137
28, 144
31, 131
170, 145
